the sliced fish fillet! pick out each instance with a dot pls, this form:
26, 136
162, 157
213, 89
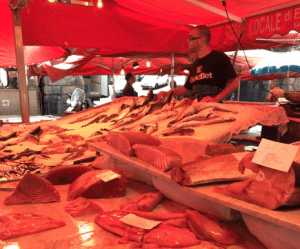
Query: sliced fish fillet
82, 206
66, 174
91, 185
33, 189
17, 224
123, 141
160, 157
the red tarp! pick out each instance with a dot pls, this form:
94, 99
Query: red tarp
134, 27
108, 66
32, 54
261, 18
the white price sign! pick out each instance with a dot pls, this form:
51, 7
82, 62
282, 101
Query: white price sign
275, 155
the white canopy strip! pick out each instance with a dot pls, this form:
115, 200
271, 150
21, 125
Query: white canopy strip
215, 10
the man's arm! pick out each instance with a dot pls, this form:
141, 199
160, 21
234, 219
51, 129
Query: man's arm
180, 91
268, 99
228, 90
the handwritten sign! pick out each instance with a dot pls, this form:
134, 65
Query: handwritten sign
275, 155
133, 220
108, 176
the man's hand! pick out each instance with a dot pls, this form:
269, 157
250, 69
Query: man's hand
208, 99
162, 95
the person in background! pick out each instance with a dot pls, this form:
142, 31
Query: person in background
275, 92
212, 77
128, 90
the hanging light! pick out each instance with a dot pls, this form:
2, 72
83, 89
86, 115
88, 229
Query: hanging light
135, 65
122, 71
51, 1
99, 4
148, 64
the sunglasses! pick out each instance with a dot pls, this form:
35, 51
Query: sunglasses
193, 38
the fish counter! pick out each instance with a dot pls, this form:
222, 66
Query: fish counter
275, 228
83, 232
76, 146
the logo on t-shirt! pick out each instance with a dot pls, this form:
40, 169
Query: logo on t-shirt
200, 75
199, 69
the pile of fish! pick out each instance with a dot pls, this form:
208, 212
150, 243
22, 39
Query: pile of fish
173, 230
37, 147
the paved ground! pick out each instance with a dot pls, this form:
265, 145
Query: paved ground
18, 119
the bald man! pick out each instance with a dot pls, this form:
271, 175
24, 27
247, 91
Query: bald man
212, 77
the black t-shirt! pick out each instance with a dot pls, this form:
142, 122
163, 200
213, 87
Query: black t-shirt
209, 75
128, 90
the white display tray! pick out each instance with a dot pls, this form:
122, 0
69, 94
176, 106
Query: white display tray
204, 198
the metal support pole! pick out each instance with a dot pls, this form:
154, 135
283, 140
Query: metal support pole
23, 91
113, 79
287, 81
172, 71
239, 89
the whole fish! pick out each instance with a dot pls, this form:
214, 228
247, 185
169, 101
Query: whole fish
152, 118
188, 110
202, 115
208, 122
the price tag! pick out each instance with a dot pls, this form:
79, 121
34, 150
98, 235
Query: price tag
133, 220
108, 176
275, 155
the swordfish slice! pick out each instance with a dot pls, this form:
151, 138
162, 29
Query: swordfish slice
160, 157
92, 185
66, 174
82, 206
16, 224
33, 189
123, 141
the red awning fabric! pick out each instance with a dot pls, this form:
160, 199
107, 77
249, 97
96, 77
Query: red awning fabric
134, 27
128, 27
32, 54
109, 66
245, 76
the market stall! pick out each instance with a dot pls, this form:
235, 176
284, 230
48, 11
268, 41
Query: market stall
38, 148
32, 150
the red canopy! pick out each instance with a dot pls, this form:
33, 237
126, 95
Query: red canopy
134, 27
108, 66
32, 54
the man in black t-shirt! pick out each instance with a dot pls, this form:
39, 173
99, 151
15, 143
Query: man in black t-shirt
128, 90
212, 77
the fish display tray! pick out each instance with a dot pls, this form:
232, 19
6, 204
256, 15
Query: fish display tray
204, 198
137, 169
83, 232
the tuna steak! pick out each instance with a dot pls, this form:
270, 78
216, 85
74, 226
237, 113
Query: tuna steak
33, 189
144, 202
82, 206
210, 229
16, 225
111, 221
123, 141
66, 174
160, 157
91, 185
171, 236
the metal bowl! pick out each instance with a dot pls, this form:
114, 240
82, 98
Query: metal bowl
292, 96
